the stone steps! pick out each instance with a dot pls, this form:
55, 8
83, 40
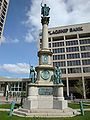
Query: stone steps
46, 113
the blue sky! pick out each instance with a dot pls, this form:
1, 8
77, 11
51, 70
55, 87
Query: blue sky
19, 47
15, 49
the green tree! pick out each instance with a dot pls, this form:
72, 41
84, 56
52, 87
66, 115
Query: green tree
79, 88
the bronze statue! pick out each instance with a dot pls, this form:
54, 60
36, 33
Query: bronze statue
45, 10
57, 75
32, 74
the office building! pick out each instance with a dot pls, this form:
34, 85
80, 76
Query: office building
71, 51
3, 12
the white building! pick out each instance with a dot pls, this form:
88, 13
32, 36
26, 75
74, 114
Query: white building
3, 12
71, 51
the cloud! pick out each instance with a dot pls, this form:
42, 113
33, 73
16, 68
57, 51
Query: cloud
62, 12
8, 40
19, 68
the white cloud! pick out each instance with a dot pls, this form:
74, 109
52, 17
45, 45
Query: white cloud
62, 12
8, 40
19, 68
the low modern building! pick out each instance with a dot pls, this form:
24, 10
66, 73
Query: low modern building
14, 86
3, 12
71, 51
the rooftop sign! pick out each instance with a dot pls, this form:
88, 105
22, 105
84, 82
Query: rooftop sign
65, 30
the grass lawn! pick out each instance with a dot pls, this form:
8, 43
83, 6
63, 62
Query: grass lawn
77, 106
7, 106
5, 116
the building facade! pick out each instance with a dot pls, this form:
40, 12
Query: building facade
3, 12
14, 86
71, 51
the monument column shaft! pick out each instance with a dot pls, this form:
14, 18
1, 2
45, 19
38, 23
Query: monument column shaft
45, 36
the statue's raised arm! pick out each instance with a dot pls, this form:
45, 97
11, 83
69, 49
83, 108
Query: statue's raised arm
45, 10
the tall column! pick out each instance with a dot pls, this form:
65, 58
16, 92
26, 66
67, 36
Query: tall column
45, 21
45, 36
84, 92
67, 82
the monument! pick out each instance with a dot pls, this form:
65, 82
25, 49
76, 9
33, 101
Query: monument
46, 91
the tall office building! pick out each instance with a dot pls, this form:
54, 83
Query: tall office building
71, 51
3, 12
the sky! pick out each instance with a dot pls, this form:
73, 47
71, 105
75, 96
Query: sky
19, 46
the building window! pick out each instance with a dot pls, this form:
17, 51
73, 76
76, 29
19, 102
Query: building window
85, 55
84, 35
58, 44
0, 28
85, 41
4, 9
2, 16
63, 70
59, 50
74, 70
1, 24
70, 37
58, 57
72, 56
60, 64
73, 63
86, 69
49, 39
58, 38
85, 48
74, 42
86, 62
2, 20
72, 49
5, 2
49, 45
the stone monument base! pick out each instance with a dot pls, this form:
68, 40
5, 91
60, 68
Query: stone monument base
45, 97
44, 102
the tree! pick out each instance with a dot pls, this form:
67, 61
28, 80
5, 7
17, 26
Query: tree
79, 88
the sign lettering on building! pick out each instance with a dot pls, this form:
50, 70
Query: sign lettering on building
65, 30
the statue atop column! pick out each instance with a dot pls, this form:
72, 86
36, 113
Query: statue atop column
45, 13
45, 10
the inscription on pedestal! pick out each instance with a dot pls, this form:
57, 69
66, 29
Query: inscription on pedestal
45, 91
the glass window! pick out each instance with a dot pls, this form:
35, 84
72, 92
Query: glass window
60, 64
72, 56
86, 69
74, 70
2, 16
86, 62
49, 45
59, 50
85, 41
58, 57
4, 9
70, 37
63, 70
16, 89
85, 55
1, 24
5, 2
49, 39
84, 35
73, 63
58, 38
58, 44
72, 49
74, 42
85, 48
